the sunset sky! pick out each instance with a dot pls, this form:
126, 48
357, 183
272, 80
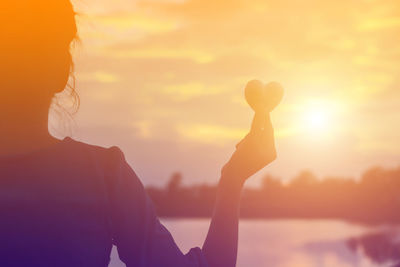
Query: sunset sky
164, 81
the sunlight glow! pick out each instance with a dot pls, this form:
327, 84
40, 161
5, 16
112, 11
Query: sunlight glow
318, 119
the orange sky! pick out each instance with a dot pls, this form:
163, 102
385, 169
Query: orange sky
164, 80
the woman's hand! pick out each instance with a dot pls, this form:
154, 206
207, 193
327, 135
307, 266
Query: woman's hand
253, 153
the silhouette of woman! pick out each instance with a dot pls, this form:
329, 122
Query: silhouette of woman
64, 202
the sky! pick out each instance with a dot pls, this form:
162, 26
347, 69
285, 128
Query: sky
164, 80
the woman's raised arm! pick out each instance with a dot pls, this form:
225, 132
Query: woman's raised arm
140, 237
253, 153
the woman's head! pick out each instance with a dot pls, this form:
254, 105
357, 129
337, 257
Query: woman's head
36, 62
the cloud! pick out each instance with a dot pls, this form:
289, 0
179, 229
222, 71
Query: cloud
210, 133
380, 24
197, 56
99, 76
183, 92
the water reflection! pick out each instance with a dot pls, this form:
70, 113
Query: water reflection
375, 248
332, 253
381, 247
298, 243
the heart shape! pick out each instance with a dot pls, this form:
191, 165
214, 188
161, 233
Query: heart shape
262, 97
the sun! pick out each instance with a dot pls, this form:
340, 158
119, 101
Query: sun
318, 118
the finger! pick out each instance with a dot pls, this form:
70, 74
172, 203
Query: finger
267, 123
268, 132
259, 120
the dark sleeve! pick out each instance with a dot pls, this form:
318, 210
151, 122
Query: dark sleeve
140, 237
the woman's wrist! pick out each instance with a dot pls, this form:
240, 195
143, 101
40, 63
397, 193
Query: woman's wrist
230, 184
228, 197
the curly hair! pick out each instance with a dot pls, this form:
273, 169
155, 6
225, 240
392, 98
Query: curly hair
42, 32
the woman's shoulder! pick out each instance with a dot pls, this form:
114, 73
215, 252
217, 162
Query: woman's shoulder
85, 149
109, 161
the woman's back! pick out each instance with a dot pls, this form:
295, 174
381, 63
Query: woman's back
66, 205
53, 207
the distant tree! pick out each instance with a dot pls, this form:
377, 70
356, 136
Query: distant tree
373, 175
270, 183
304, 179
175, 182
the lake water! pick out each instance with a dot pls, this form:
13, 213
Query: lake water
298, 243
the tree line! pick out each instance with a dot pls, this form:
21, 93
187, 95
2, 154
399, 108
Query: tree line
374, 198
